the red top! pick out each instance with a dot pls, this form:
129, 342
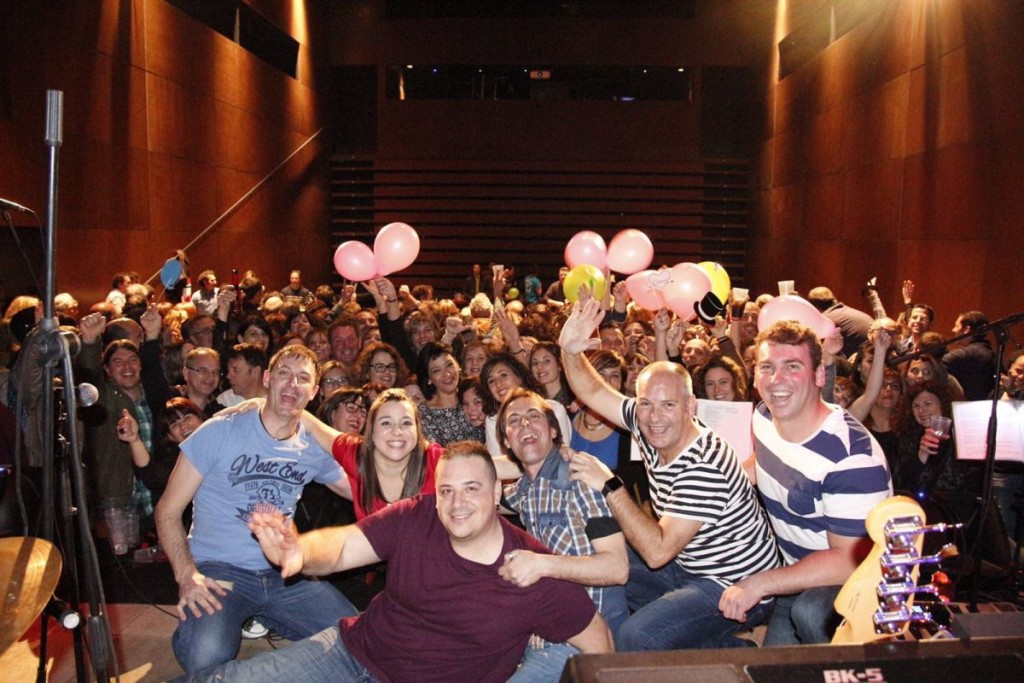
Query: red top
346, 450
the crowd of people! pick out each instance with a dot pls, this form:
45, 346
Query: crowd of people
531, 471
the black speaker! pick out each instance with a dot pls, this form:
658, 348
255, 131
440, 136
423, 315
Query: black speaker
980, 659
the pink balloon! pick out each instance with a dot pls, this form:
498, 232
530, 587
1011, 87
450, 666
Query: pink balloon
586, 248
354, 261
396, 247
645, 291
793, 307
688, 285
630, 252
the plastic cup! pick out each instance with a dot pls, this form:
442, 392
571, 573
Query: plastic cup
786, 287
940, 425
118, 521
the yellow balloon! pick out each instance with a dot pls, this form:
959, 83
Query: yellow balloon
585, 274
720, 283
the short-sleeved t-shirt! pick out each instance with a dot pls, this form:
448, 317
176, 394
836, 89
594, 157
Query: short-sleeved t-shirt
827, 483
244, 468
444, 618
706, 483
346, 452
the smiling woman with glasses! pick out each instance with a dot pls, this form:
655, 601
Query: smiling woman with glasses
381, 363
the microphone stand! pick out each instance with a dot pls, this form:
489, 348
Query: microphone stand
1001, 330
55, 349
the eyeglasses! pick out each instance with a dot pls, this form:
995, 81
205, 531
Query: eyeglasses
382, 367
353, 408
202, 330
334, 381
205, 372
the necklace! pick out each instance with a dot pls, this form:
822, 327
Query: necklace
592, 427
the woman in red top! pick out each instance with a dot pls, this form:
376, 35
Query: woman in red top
392, 460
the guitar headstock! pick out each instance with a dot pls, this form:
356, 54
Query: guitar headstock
877, 600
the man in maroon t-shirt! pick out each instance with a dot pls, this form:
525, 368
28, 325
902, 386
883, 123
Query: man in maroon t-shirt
446, 614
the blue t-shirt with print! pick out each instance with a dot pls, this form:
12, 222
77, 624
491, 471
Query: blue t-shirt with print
245, 469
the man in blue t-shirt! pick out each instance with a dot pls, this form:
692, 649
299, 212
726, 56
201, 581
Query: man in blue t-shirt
819, 472
229, 468
446, 613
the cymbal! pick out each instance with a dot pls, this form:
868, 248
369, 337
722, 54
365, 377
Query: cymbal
29, 571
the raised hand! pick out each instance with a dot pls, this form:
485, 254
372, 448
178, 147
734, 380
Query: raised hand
151, 322
578, 330
91, 326
279, 540
127, 427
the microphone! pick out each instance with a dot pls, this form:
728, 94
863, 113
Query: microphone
86, 395
8, 205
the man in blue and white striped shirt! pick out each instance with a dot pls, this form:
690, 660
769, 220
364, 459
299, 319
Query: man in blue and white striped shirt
819, 472
708, 531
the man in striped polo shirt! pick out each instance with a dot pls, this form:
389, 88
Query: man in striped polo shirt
708, 531
819, 472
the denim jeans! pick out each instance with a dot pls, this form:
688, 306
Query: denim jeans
543, 665
294, 608
804, 619
321, 657
674, 609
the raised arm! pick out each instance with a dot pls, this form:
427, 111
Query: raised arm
861, 408
317, 553
576, 338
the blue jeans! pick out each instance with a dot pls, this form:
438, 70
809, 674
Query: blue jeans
543, 665
294, 608
805, 618
321, 657
674, 609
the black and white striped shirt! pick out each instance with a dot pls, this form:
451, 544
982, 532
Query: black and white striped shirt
706, 483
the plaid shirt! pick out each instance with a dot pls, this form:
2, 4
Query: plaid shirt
556, 511
141, 497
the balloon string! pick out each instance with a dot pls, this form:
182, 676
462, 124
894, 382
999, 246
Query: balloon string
245, 197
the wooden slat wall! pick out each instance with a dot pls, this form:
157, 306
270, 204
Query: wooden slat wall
524, 213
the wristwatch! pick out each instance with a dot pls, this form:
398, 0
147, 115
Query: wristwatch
612, 485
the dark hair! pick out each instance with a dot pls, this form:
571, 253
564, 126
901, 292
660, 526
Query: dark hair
256, 321
251, 287
790, 333
928, 310
974, 320
518, 369
467, 384
415, 471
427, 355
470, 449
119, 279
739, 377
549, 414
253, 355
905, 420
340, 397
110, 349
365, 360
602, 359
177, 408
556, 351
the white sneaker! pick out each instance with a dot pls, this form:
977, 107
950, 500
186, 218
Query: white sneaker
252, 629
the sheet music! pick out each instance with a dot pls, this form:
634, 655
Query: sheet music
731, 420
970, 429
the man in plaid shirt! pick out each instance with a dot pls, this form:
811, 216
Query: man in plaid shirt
567, 516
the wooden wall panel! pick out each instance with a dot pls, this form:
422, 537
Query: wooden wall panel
166, 124
932, 102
